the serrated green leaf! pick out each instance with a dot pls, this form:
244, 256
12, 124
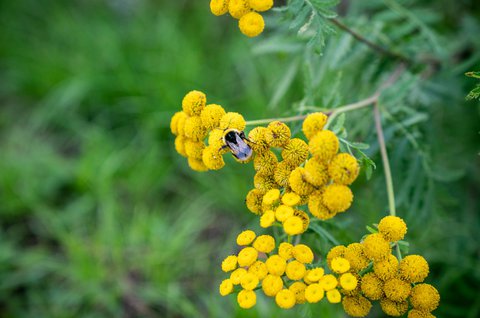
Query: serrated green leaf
475, 93
295, 6
301, 18
359, 145
474, 74
371, 229
339, 123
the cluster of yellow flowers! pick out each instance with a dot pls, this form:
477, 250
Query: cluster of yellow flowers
288, 275
383, 278
199, 123
250, 21
312, 174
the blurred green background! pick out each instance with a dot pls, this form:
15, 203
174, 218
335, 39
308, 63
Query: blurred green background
101, 218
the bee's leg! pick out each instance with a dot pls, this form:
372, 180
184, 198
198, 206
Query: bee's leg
242, 135
223, 147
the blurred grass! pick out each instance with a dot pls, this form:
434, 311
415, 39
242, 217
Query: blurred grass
100, 217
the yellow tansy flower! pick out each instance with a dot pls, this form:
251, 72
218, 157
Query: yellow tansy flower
285, 299
315, 274
251, 24
258, 269
413, 269
276, 265
282, 173
237, 275
393, 308
340, 265
277, 134
194, 149
249, 281
226, 287
298, 183
295, 270
174, 121
397, 289
261, 5
334, 296
316, 172
245, 238
246, 299
212, 158
295, 152
392, 228
337, 198
229, 263
348, 281
356, 306
180, 145
247, 256
267, 218
355, 255
211, 116
197, 165
219, 7
304, 217
375, 247
238, 8
285, 250
254, 200
343, 169
264, 182
283, 212
415, 313
336, 251
271, 285
302, 253
328, 282
193, 103
372, 286
424, 297
232, 120
290, 198
314, 293
194, 128
293, 225
298, 289
265, 162
264, 243
257, 137
271, 196
386, 268
313, 124
324, 145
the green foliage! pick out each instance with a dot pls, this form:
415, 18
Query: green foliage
99, 216
474, 93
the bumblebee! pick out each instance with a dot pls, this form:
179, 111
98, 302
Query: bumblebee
237, 142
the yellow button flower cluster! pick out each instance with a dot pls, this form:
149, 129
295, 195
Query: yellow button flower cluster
199, 129
382, 277
250, 22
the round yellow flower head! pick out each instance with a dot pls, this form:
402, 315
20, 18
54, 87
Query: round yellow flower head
276, 265
271, 285
197, 165
340, 265
372, 286
219, 7
258, 269
316, 172
295, 152
324, 145
272, 196
392, 228
238, 8
211, 116
194, 128
193, 103
285, 250
302, 253
246, 299
246, 238
316, 207
304, 217
229, 263
298, 289
293, 225
343, 169
393, 308
264, 243
386, 268
297, 182
285, 299
424, 297
354, 253
247, 256
265, 162
237, 275
348, 281
264, 182
356, 306
180, 124
249, 281
313, 124
328, 282
226, 287
315, 274
396, 289
314, 293
336, 251
174, 121
337, 198
232, 120
283, 212
254, 200
282, 173
413, 269
215, 139
334, 296
267, 219
251, 24
212, 158
261, 5
295, 270
277, 134
375, 247
180, 145
415, 313
194, 148
290, 198
257, 138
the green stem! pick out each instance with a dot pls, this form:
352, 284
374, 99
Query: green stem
399, 253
